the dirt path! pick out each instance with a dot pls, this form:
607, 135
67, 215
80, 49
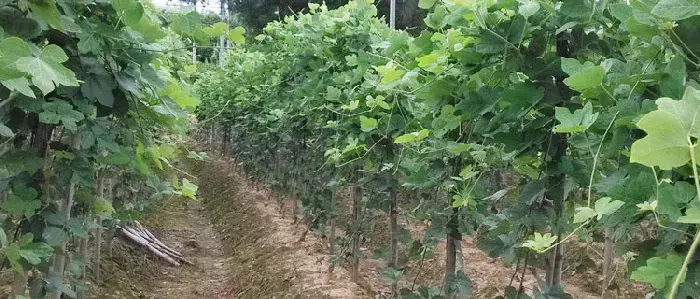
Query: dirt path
184, 226
268, 259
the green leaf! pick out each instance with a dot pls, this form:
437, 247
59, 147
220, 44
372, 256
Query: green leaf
665, 145
433, 62
150, 30
389, 73
12, 253
412, 137
5, 131
98, 88
22, 202
605, 206
46, 11
539, 242
55, 283
373, 102
216, 29
12, 49
582, 76
584, 214
446, 121
672, 198
457, 148
354, 104
118, 158
676, 9
54, 236
367, 124
77, 227
686, 111
47, 69
187, 24
621, 11
34, 253
692, 215
16, 23
642, 30
20, 85
578, 121
528, 8
668, 131
426, 4
189, 189
237, 35
104, 208
60, 111
673, 84
180, 95
130, 11
658, 270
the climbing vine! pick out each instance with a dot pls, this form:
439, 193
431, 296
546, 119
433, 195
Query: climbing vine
94, 102
587, 106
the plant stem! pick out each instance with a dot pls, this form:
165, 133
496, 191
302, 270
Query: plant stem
595, 158
696, 240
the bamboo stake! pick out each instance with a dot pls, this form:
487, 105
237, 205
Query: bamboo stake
59, 257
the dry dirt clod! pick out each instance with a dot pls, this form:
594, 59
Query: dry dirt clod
192, 244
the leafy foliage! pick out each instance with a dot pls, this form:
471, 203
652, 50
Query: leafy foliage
570, 97
89, 91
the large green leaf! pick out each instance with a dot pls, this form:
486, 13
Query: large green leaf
12, 49
426, 4
46, 11
528, 8
676, 9
54, 236
674, 197
189, 189
582, 76
216, 29
658, 270
607, 206
34, 253
187, 24
98, 87
692, 215
60, 111
22, 202
130, 11
668, 132
20, 85
673, 84
367, 124
47, 70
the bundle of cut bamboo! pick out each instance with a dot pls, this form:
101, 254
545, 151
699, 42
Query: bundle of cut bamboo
143, 237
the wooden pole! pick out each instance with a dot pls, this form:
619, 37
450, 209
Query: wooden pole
194, 43
392, 14
60, 257
222, 39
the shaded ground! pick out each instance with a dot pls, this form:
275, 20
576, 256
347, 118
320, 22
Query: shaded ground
183, 226
134, 273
